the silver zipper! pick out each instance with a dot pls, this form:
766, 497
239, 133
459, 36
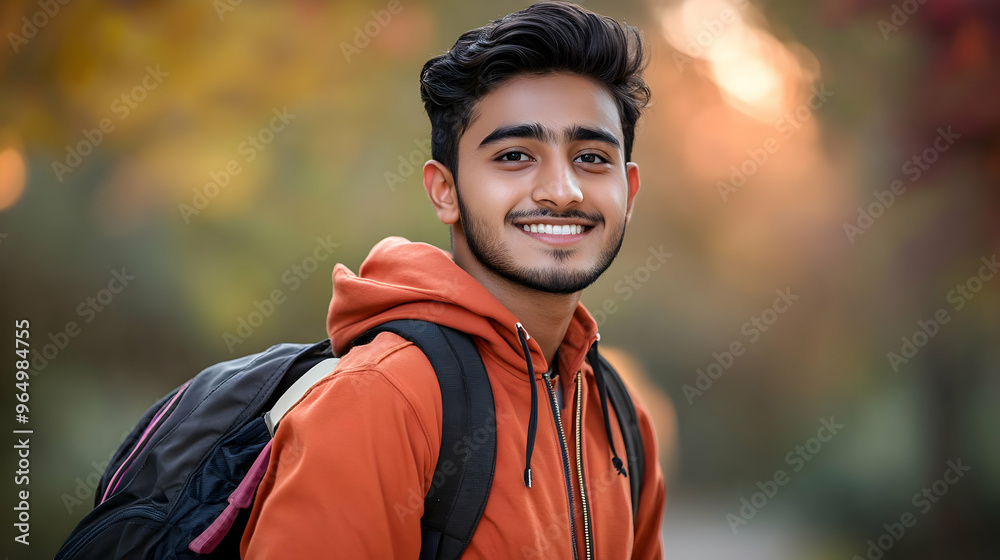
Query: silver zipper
579, 467
565, 455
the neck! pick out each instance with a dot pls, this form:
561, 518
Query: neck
545, 316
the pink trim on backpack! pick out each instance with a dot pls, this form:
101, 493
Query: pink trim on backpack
241, 498
138, 445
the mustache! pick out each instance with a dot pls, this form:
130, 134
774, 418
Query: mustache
546, 213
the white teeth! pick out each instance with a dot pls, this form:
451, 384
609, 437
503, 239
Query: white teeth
554, 230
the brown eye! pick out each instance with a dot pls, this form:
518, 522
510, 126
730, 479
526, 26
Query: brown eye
513, 156
592, 158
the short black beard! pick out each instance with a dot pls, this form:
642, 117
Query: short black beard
490, 253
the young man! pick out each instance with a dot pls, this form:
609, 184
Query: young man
533, 120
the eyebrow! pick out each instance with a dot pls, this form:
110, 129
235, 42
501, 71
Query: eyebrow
537, 131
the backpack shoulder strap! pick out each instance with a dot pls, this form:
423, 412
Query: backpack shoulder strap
461, 482
628, 420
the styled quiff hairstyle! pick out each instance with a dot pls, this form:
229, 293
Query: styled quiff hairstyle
544, 38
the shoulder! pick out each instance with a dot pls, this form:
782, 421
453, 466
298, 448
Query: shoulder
396, 360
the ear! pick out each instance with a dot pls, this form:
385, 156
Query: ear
632, 174
440, 187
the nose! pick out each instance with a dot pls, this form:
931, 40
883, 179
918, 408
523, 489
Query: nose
558, 187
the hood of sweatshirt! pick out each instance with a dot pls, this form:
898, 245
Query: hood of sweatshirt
401, 279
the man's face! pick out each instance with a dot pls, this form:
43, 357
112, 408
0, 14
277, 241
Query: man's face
544, 193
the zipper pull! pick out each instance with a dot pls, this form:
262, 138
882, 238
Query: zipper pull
550, 380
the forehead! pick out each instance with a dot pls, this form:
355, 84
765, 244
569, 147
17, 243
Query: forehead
557, 101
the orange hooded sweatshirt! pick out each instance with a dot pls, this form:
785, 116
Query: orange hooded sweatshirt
352, 462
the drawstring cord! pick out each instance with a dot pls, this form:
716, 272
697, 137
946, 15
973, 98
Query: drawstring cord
533, 419
595, 362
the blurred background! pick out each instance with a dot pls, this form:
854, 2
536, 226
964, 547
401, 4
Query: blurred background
821, 345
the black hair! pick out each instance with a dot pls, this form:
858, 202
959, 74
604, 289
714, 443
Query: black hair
544, 38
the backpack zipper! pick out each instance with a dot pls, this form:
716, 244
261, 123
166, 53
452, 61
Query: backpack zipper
147, 435
565, 456
148, 512
588, 537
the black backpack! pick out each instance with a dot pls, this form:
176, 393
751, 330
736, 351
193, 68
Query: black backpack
182, 483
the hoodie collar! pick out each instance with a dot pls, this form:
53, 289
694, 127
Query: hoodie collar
401, 279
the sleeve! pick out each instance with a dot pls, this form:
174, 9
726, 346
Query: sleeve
648, 542
349, 469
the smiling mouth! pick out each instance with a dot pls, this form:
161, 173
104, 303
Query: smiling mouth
564, 229
558, 235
